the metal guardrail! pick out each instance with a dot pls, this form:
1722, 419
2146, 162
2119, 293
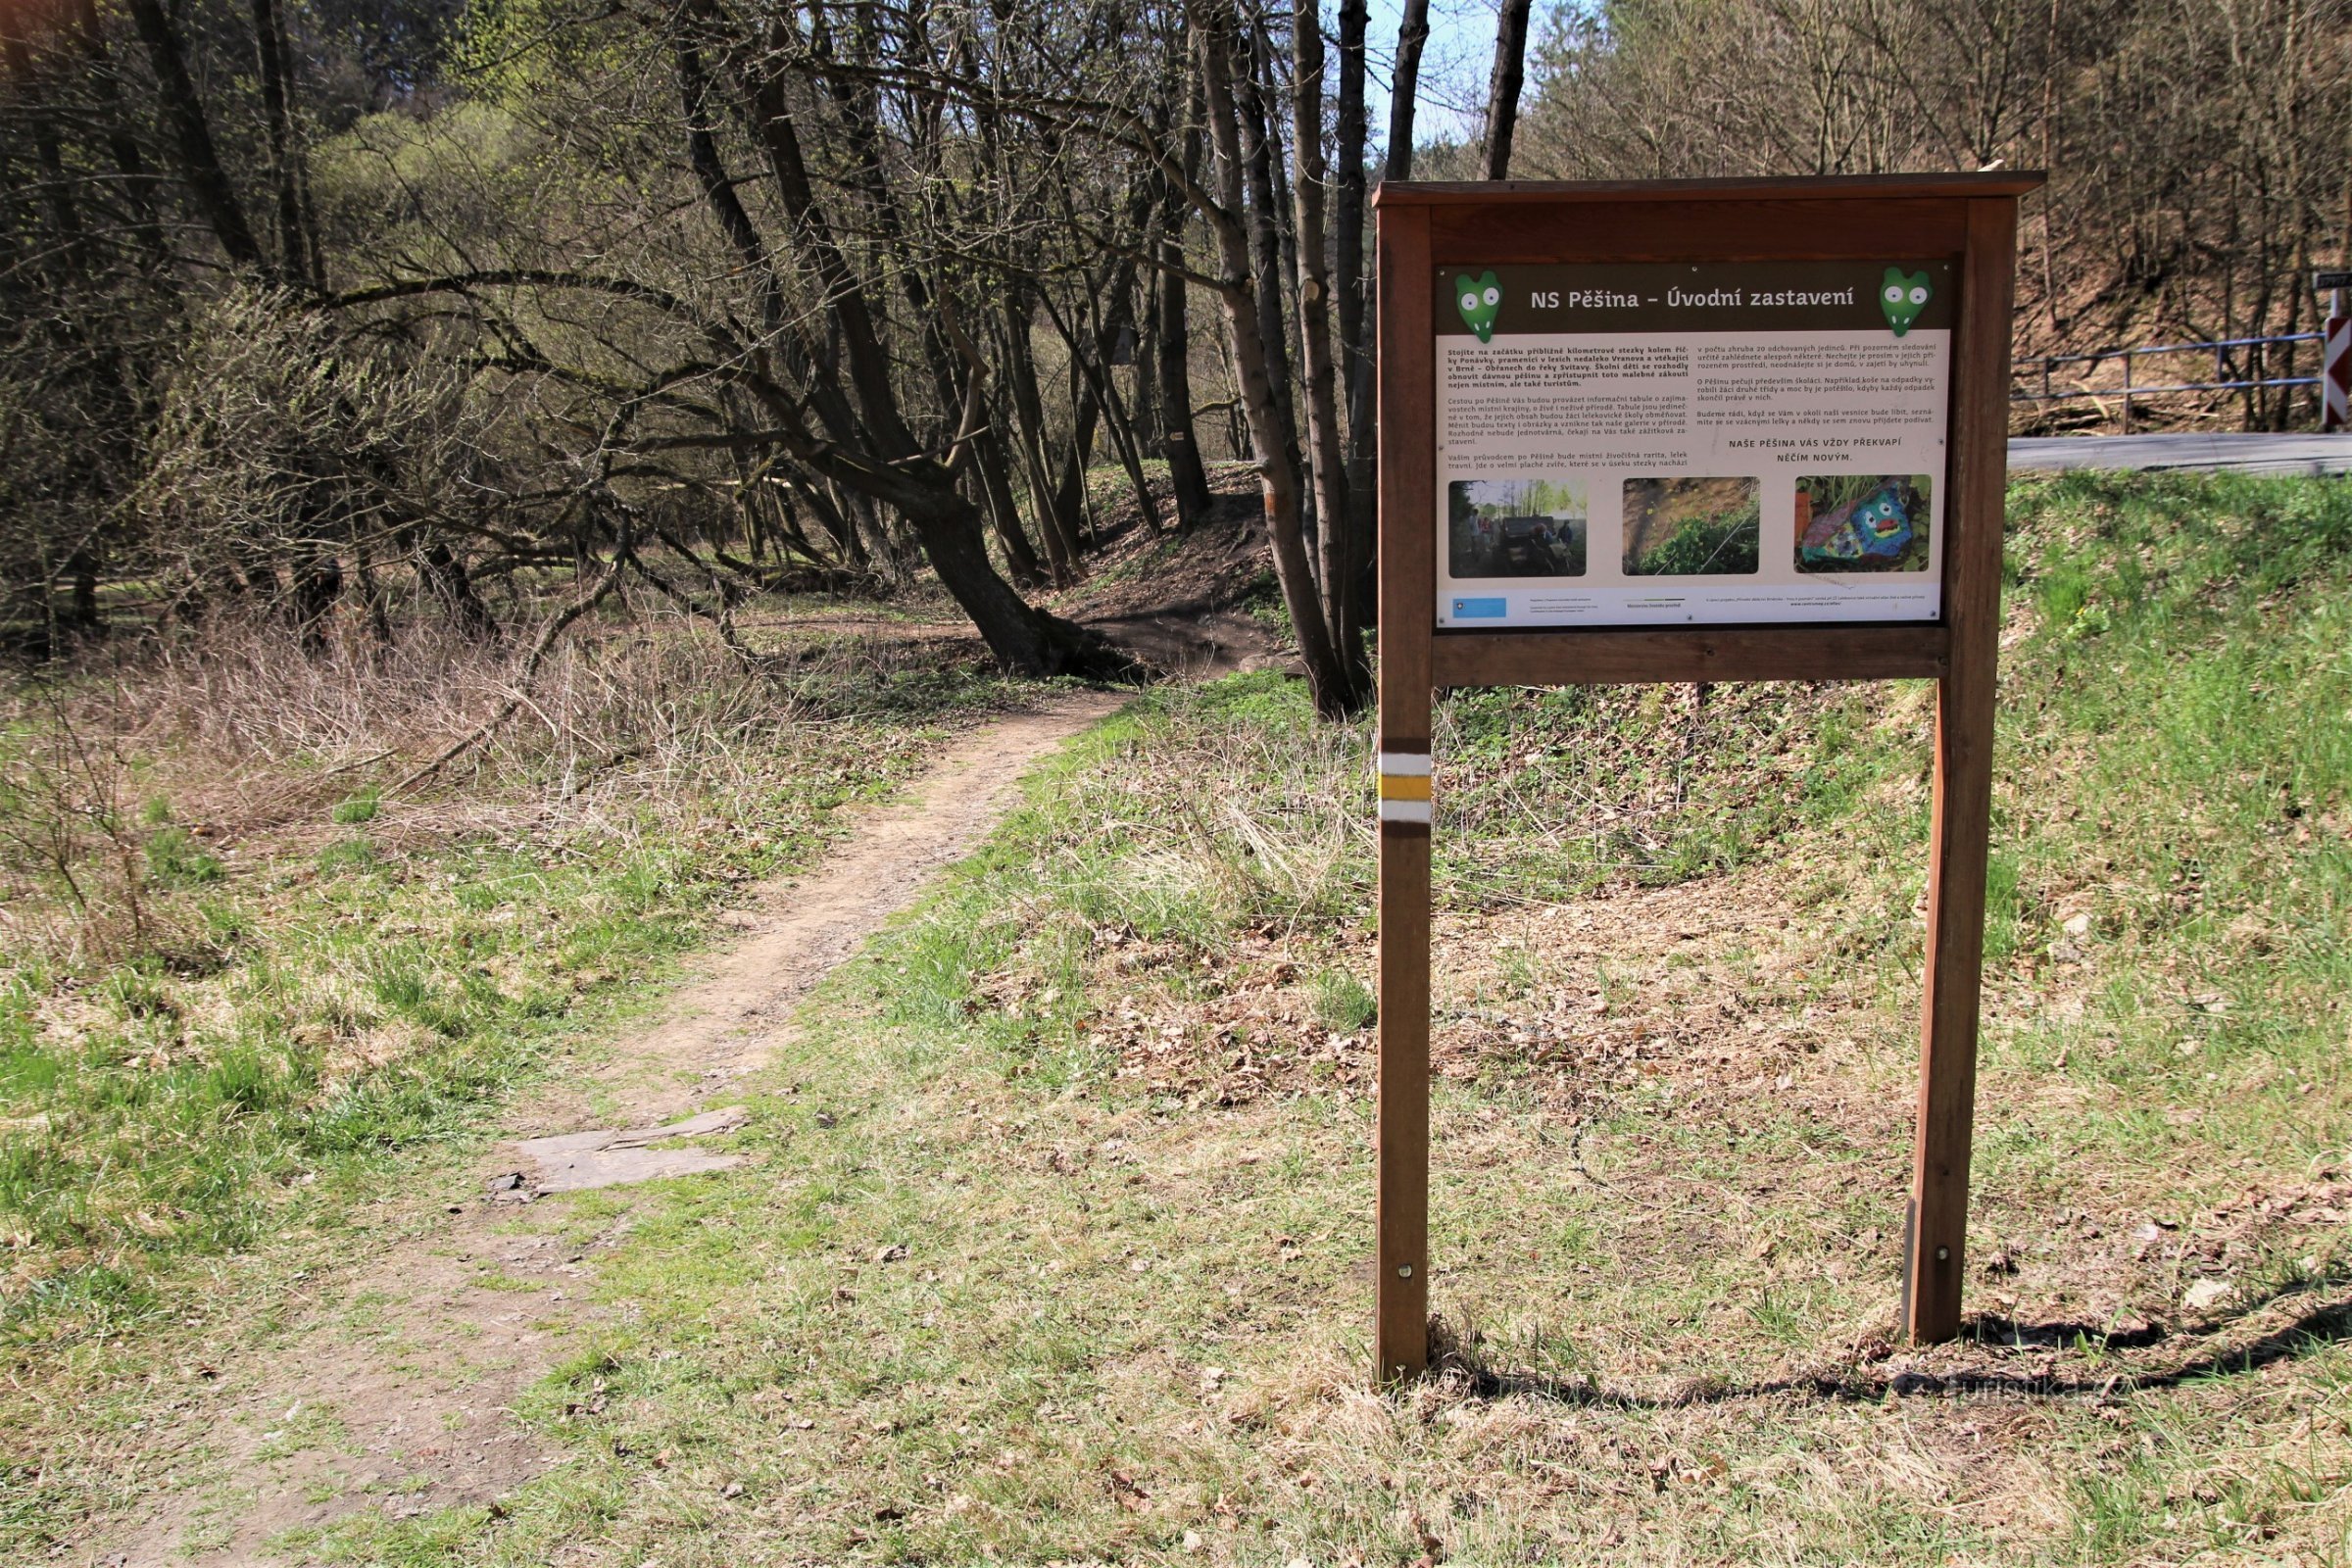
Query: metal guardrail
2131, 389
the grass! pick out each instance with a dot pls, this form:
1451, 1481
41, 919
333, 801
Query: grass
1109, 1092
1686, 527
1703, 547
327, 997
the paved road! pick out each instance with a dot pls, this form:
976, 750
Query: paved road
2251, 454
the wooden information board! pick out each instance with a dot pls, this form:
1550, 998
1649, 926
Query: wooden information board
1692, 430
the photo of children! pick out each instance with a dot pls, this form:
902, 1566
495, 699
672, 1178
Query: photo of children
1692, 527
1516, 527
1862, 522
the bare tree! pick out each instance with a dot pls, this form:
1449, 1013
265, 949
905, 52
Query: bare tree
1337, 672
1404, 89
1503, 86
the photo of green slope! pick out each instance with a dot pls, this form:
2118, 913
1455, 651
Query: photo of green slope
1692, 527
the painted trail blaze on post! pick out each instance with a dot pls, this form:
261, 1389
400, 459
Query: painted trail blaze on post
1404, 796
1692, 430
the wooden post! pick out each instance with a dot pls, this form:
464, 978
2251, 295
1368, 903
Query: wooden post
1408, 616
1937, 1232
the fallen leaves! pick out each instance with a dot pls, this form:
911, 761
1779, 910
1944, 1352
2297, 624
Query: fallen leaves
2205, 1295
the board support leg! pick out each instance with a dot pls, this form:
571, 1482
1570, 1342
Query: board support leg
1408, 562
1400, 1307
1936, 1235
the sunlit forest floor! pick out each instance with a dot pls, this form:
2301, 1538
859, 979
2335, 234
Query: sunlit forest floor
1052, 1237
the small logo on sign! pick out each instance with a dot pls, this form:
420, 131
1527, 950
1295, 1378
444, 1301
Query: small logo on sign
1904, 298
1481, 608
1480, 300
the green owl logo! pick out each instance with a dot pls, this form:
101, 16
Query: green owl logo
1480, 300
1904, 298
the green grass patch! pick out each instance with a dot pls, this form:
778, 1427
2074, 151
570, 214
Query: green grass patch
313, 1020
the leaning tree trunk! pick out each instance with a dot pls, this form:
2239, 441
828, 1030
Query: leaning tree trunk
921, 489
1021, 636
192, 138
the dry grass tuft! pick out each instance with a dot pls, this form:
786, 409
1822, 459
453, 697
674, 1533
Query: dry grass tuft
237, 742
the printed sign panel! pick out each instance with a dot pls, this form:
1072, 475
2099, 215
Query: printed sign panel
1691, 443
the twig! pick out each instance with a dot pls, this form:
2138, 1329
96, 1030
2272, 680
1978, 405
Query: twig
530, 666
364, 762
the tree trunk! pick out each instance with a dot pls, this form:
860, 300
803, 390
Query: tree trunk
317, 584
371, 594
1029, 416
1355, 355
1502, 88
839, 525
298, 259
83, 567
1412, 31
444, 576
1021, 636
1327, 461
718, 190
1338, 688
1187, 473
1143, 406
72, 258
139, 183
1102, 387
1256, 167
997, 482
1072, 501
192, 138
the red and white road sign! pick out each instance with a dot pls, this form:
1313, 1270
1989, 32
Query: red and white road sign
2336, 376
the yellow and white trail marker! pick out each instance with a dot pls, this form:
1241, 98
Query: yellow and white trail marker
1405, 787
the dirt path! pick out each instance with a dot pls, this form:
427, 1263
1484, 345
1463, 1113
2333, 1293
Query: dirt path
395, 1385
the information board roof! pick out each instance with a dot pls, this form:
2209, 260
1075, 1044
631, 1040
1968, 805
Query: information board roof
1860, 188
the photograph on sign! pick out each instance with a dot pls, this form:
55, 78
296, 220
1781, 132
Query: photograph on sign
1691, 443
1516, 527
1863, 521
